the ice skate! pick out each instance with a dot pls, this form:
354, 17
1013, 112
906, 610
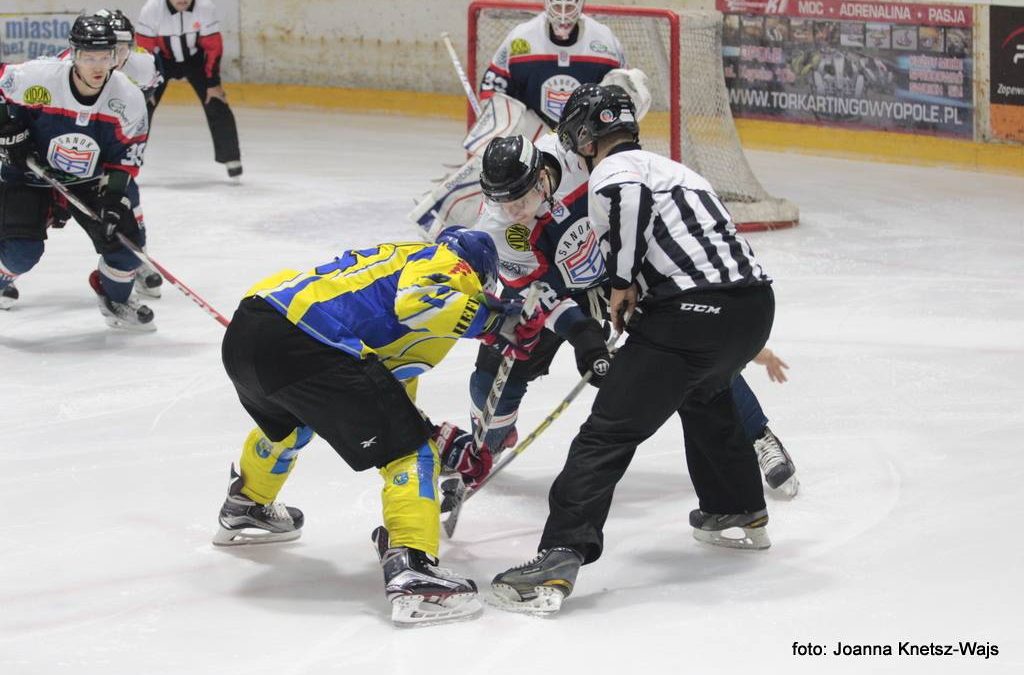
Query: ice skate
540, 585
739, 530
8, 296
776, 464
131, 315
148, 281
243, 521
234, 168
421, 593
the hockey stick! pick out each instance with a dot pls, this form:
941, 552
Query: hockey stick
42, 173
483, 425
466, 84
508, 457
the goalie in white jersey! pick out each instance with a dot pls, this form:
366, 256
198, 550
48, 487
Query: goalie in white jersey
533, 73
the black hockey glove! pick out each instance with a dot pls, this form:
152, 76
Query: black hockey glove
587, 339
15, 144
116, 214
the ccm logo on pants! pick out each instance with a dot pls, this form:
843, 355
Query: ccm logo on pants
701, 309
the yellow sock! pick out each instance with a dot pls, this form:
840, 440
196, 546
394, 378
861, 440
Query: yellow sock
412, 511
265, 464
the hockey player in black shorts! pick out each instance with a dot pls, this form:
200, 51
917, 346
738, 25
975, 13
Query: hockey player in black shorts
697, 306
336, 351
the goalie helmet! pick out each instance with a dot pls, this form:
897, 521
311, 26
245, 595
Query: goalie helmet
563, 15
476, 248
92, 32
509, 169
593, 112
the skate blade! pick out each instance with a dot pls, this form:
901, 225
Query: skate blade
416, 611
117, 324
789, 489
252, 535
751, 538
548, 601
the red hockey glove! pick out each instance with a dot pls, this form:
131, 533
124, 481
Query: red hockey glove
460, 454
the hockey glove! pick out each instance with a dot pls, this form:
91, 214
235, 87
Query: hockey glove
460, 454
510, 331
15, 144
592, 355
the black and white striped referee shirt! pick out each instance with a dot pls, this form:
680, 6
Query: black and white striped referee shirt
667, 229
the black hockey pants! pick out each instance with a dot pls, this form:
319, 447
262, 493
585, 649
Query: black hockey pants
219, 117
681, 357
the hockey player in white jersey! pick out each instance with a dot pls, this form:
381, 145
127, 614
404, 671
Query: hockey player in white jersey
140, 67
536, 68
536, 213
86, 123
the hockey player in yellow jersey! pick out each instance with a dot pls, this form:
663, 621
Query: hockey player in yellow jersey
336, 351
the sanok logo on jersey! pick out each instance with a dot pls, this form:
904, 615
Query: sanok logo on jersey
579, 255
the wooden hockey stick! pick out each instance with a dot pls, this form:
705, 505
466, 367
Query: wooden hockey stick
42, 173
487, 414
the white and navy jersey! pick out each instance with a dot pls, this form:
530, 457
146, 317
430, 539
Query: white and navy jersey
140, 68
82, 137
530, 67
558, 247
182, 36
667, 229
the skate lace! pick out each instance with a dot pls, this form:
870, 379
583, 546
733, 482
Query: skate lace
769, 452
277, 511
532, 561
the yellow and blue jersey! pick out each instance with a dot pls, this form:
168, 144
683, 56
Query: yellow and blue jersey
406, 303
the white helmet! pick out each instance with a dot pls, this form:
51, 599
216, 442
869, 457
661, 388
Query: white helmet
563, 16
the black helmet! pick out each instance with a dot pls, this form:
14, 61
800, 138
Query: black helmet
92, 32
593, 112
510, 168
123, 28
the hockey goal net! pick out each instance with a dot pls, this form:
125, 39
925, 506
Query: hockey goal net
690, 120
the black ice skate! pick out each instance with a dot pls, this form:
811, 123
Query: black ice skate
8, 295
421, 593
540, 585
776, 464
732, 530
234, 169
131, 315
148, 281
243, 521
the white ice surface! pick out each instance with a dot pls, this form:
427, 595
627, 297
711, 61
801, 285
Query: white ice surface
900, 310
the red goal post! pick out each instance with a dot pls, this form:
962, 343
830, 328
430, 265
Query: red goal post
690, 119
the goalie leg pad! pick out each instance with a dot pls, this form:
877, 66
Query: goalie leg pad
503, 116
455, 201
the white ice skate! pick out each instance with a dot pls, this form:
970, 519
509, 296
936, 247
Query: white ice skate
131, 315
148, 281
8, 296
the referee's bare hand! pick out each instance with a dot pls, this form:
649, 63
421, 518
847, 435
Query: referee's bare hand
621, 304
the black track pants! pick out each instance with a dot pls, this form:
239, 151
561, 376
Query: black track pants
678, 360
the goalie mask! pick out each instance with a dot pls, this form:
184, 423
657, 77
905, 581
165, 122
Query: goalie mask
477, 249
563, 15
594, 112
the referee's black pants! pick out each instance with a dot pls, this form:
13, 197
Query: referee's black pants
219, 117
681, 357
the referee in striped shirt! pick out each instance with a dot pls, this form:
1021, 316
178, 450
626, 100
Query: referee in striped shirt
702, 307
